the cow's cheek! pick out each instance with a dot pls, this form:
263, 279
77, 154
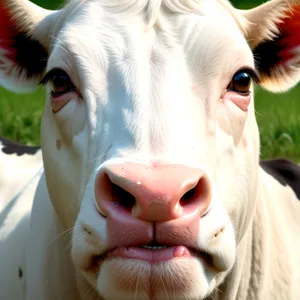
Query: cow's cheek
234, 157
63, 139
70, 121
231, 120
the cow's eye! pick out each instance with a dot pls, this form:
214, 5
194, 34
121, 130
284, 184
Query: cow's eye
241, 82
60, 82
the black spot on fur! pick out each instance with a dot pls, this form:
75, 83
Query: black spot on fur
20, 272
11, 147
31, 55
285, 171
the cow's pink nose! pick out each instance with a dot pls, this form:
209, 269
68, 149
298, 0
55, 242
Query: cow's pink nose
153, 194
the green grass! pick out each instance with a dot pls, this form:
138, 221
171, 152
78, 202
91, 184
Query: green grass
20, 116
49, 4
278, 115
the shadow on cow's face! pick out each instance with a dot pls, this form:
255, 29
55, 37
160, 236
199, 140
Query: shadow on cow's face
149, 138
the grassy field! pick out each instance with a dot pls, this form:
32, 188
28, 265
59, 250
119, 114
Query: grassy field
278, 115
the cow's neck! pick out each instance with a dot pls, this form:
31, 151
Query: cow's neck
264, 265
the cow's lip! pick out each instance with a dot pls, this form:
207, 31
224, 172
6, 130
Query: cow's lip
162, 254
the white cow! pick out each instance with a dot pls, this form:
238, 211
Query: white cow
150, 186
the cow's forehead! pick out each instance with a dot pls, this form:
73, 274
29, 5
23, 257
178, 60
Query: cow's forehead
123, 16
101, 33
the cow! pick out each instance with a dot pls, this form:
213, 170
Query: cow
148, 184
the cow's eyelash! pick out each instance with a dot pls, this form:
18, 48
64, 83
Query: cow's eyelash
47, 77
50, 75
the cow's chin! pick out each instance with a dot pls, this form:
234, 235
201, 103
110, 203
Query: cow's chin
180, 278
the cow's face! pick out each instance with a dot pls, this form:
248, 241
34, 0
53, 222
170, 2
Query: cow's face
149, 136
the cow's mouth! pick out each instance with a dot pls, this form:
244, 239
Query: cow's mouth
155, 253
152, 254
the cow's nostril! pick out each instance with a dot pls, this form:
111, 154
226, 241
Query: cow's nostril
150, 193
198, 195
122, 197
188, 197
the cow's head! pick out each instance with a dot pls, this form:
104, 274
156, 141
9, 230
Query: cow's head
149, 137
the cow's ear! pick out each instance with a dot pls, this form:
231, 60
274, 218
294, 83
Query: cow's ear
23, 44
273, 33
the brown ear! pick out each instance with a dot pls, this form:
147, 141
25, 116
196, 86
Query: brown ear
23, 51
273, 33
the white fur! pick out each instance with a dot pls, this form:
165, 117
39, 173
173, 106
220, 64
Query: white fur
152, 77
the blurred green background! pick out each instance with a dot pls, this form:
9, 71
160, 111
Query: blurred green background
278, 115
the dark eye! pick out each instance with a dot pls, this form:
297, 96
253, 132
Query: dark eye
60, 82
241, 82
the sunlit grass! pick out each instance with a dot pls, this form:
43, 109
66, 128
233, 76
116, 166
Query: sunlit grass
278, 116
20, 116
